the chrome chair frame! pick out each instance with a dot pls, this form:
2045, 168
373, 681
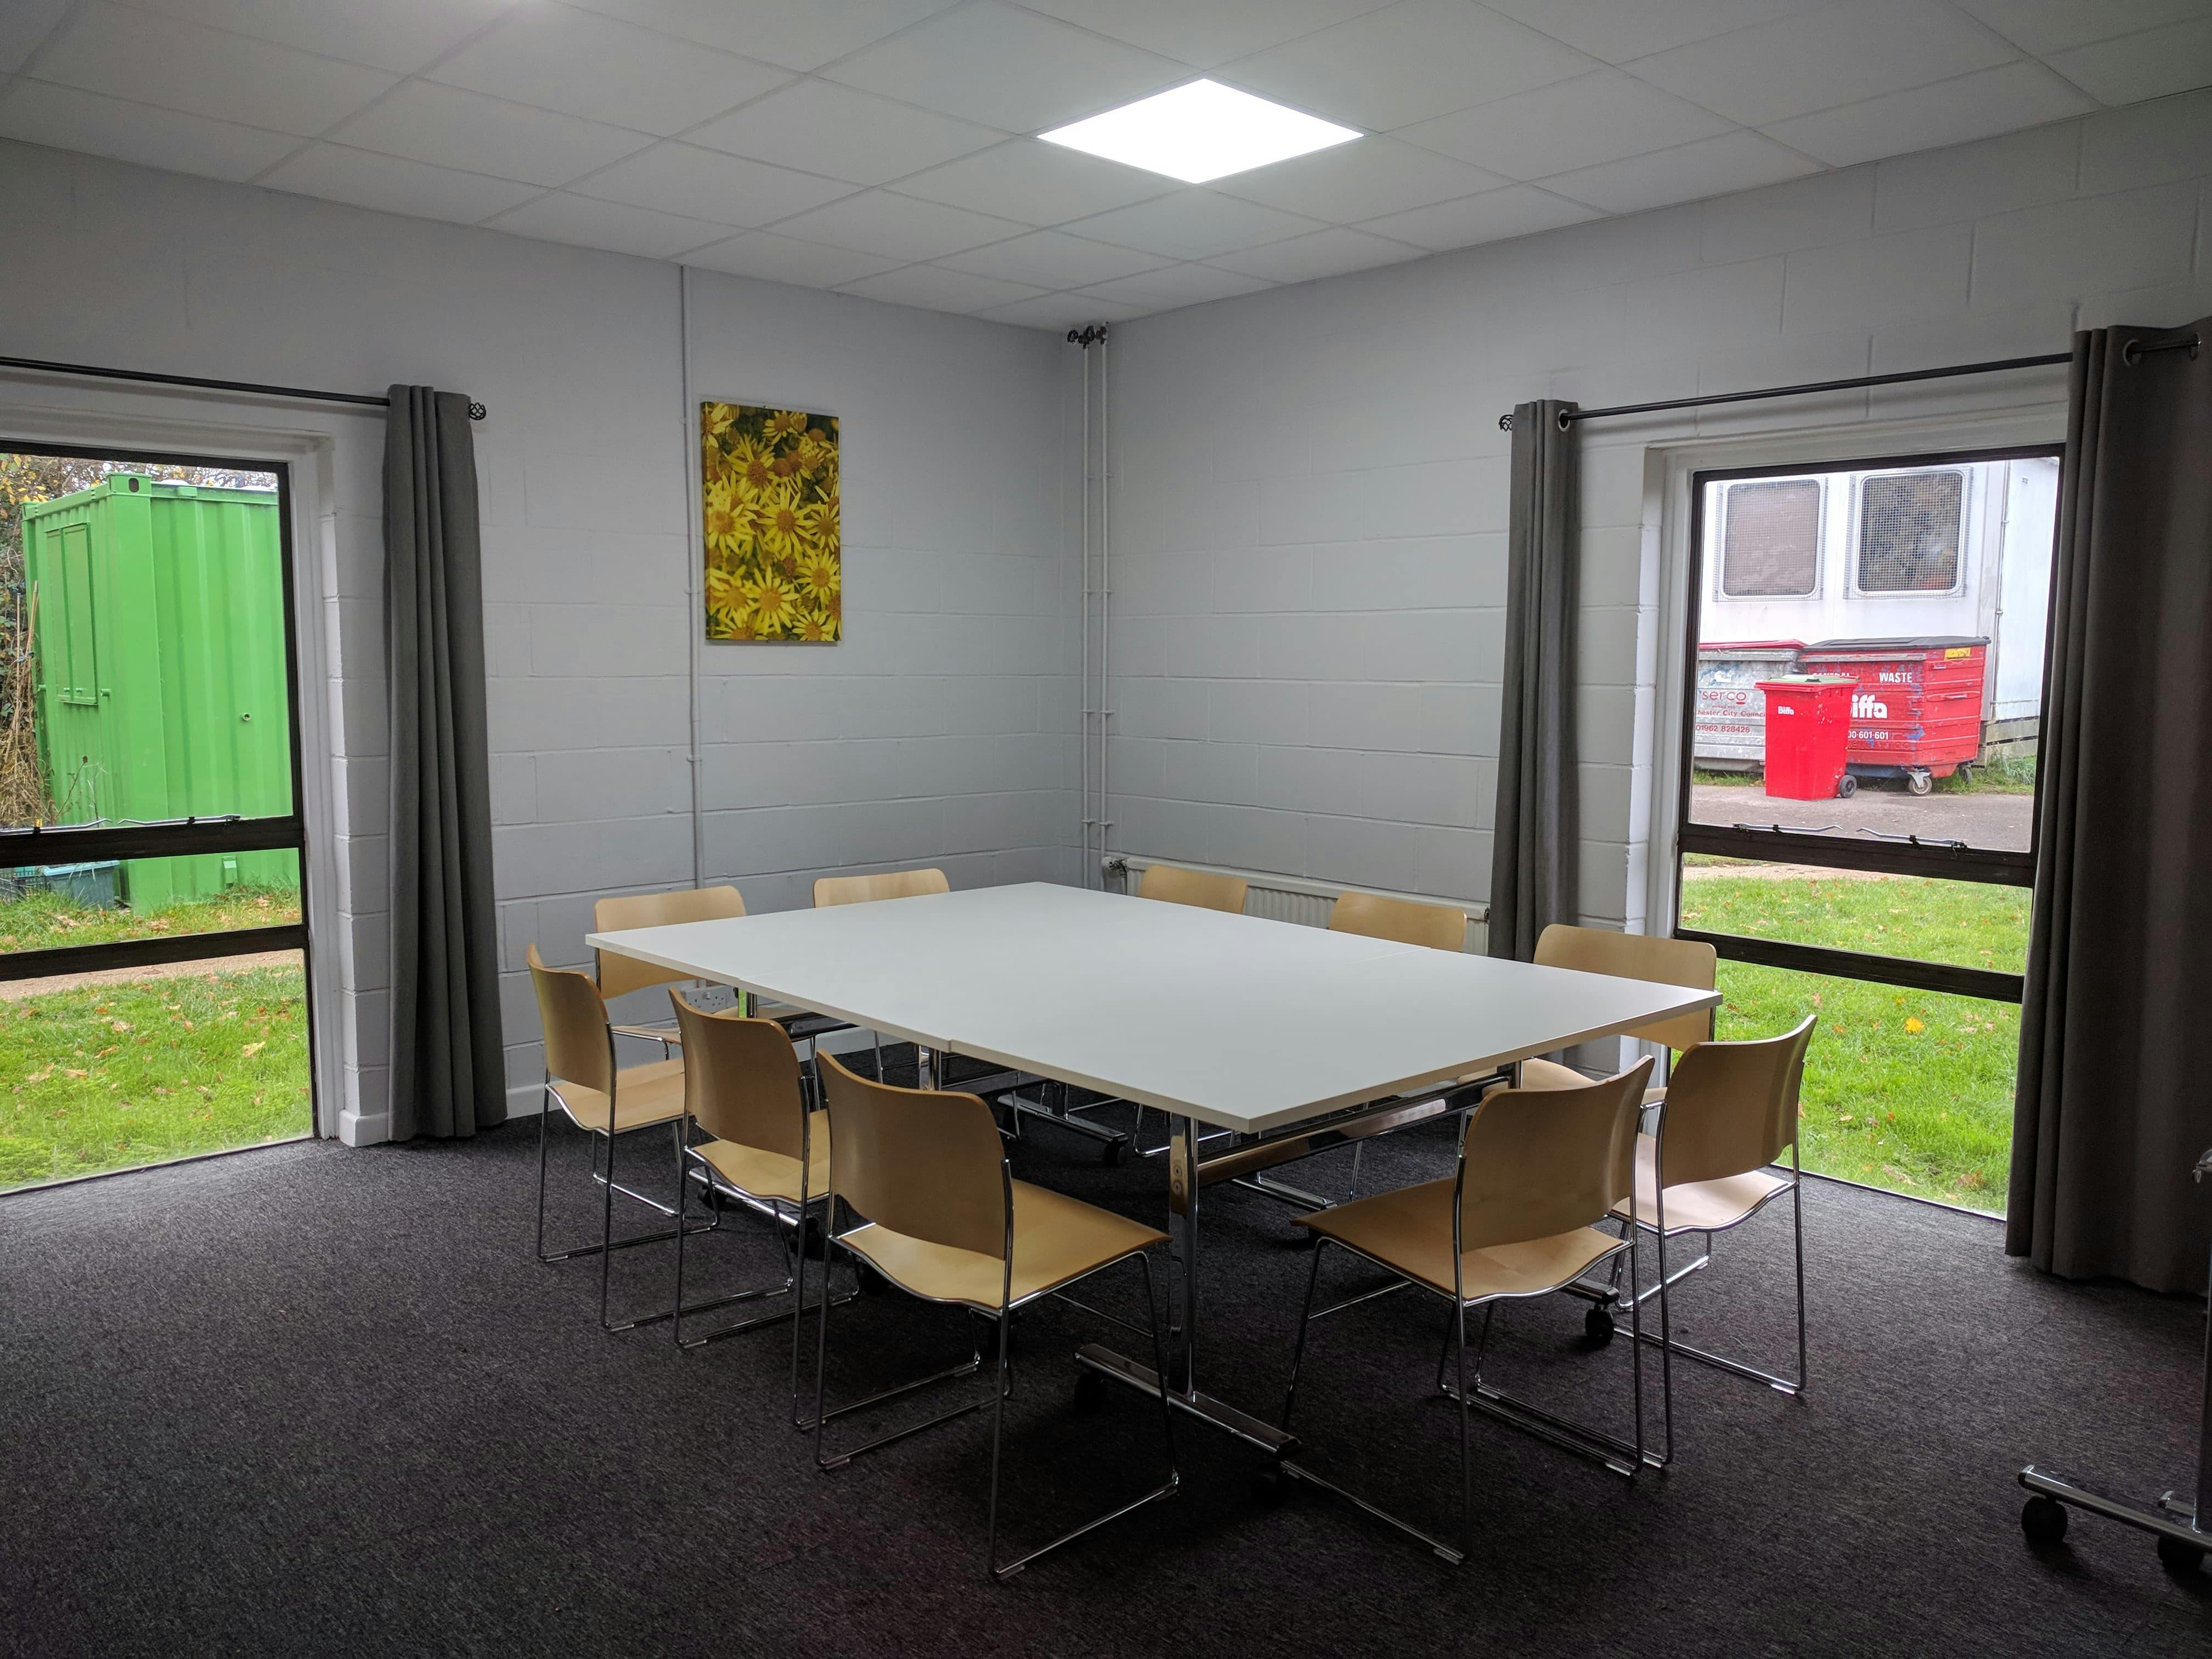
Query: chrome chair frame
1581, 1438
1003, 1316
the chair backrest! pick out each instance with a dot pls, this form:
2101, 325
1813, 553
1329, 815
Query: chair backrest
1536, 1162
866, 890
577, 1047
927, 1163
741, 1079
1732, 1107
1650, 956
1438, 926
620, 975
1193, 887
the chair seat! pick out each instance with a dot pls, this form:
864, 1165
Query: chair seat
1550, 1074
1696, 1206
644, 1096
1410, 1231
1057, 1240
758, 1173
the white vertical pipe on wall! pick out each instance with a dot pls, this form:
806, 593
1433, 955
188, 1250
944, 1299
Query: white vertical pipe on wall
694, 540
1088, 872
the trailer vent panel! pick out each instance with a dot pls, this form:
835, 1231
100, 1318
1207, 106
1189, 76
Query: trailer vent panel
1771, 539
1909, 532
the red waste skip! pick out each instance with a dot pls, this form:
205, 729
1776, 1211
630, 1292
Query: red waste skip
1807, 716
1917, 711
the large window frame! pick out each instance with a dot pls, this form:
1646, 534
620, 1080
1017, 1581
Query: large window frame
1780, 844
227, 833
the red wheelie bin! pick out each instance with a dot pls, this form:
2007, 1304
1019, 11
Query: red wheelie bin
1807, 716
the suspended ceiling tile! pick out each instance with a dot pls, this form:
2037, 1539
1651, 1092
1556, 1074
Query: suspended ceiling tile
1568, 124
1361, 179
1044, 183
705, 184
560, 217
1840, 54
899, 226
2175, 58
226, 77
66, 119
1617, 33
24, 24
1194, 224
776, 258
1052, 259
1205, 34
801, 34
1710, 167
402, 35
936, 289
391, 184
1007, 68
1979, 106
817, 126
1408, 63
1328, 252
1177, 285
2043, 26
583, 64
448, 127
1516, 210
1061, 311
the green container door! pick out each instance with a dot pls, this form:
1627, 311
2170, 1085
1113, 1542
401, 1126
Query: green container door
161, 694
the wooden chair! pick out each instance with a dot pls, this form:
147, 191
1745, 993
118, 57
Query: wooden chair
1538, 1170
1654, 958
867, 890
768, 1153
1198, 888
606, 1101
1730, 1110
946, 1221
1436, 926
620, 975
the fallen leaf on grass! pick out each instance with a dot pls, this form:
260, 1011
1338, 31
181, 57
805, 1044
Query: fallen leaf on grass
253, 1049
1913, 1028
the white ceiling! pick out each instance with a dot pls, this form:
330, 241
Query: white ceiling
884, 146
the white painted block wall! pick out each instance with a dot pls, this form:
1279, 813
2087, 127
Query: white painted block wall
941, 731
1311, 487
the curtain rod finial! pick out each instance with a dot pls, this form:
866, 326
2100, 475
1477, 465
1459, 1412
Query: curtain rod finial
1505, 423
477, 411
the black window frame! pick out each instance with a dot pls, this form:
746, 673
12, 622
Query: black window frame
1780, 844
228, 833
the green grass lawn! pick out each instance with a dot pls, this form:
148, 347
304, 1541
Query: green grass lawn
105, 1077
1908, 1090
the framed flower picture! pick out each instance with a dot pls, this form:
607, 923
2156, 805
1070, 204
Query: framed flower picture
775, 564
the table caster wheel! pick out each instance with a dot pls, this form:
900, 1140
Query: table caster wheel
2182, 1560
1598, 1326
1116, 1150
1271, 1485
1090, 1393
867, 1281
2043, 1519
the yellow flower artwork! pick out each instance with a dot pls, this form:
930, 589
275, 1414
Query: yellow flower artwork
774, 565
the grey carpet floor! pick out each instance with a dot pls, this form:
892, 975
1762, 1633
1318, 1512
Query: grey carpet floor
309, 1400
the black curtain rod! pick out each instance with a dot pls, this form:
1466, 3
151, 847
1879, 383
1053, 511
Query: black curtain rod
1570, 415
476, 411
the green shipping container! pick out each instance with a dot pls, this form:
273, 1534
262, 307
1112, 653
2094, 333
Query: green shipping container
160, 669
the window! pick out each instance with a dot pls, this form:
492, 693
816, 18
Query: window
1910, 526
1858, 784
1771, 539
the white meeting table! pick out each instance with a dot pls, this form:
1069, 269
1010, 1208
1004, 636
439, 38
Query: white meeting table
1276, 1032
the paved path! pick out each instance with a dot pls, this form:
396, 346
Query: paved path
18, 990
1981, 819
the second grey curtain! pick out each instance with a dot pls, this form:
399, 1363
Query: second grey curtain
448, 1072
2114, 1105
1532, 858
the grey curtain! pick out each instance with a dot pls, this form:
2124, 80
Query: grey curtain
1532, 859
449, 1076
2115, 1103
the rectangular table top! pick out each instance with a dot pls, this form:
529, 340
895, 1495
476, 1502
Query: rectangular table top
1236, 1021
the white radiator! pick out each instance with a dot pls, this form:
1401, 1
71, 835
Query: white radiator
1295, 898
